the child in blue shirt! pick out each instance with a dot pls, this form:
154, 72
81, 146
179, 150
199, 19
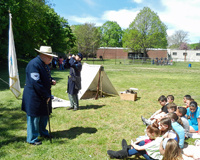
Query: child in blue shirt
193, 115
177, 125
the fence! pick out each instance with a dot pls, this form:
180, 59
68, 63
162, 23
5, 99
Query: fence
185, 60
130, 61
137, 61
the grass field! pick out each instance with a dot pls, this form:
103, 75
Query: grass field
100, 124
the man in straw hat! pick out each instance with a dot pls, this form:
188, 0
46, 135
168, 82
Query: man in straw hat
37, 94
74, 62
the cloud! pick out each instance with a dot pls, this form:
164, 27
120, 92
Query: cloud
90, 2
85, 19
137, 1
182, 15
123, 17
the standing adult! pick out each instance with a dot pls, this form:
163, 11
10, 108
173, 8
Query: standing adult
61, 63
74, 62
37, 95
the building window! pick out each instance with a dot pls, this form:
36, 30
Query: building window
174, 53
184, 53
197, 54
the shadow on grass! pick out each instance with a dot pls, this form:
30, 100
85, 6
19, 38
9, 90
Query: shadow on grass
74, 132
91, 107
138, 98
135, 157
11, 121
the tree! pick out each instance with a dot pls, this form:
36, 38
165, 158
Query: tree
175, 40
35, 23
58, 32
184, 46
88, 38
197, 46
145, 32
111, 34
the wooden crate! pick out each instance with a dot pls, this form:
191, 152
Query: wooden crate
128, 96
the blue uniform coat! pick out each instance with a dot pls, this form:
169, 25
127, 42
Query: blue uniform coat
72, 63
37, 89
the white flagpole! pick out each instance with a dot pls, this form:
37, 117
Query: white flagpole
14, 82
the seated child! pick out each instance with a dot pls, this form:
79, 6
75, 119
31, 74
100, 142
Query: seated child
177, 125
170, 99
170, 149
181, 112
162, 111
188, 101
166, 130
139, 146
193, 115
185, 98
171, 108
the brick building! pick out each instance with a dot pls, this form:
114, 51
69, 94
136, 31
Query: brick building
111, 53
157, 53
120, 53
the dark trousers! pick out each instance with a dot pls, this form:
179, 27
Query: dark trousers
73, 98
143, 152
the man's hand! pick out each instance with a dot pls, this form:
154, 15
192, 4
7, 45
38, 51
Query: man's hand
48, 100
54, 82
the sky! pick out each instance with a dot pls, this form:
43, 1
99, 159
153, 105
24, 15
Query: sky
175, 14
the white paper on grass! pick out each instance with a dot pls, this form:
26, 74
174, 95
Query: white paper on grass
58, 102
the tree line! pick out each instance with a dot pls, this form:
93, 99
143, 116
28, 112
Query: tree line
35, 23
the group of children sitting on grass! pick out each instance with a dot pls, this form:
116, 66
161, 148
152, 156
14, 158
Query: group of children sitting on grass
166, 132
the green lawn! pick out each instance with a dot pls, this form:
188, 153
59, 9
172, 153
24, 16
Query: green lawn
100, 124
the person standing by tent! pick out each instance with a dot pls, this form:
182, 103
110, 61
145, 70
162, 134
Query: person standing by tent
74, 62
61, 65
37, 95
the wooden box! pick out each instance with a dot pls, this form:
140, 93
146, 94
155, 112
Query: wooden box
128, 96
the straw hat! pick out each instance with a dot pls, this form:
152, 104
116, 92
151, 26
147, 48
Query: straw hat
46, 50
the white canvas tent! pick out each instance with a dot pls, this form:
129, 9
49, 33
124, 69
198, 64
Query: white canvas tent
95, 82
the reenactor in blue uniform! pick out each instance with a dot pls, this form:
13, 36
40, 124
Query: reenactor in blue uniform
37, 95
75, 65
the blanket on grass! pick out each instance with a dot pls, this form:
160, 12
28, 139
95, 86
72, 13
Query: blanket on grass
194, 135
191, 150
58, 102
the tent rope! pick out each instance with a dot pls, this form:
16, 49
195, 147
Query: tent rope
4, 81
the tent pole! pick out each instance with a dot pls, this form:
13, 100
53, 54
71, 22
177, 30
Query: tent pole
96, 97
101, 81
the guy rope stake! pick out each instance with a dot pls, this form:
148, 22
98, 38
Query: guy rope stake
49, 123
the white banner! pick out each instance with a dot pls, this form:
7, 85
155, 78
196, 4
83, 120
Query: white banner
14, 82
